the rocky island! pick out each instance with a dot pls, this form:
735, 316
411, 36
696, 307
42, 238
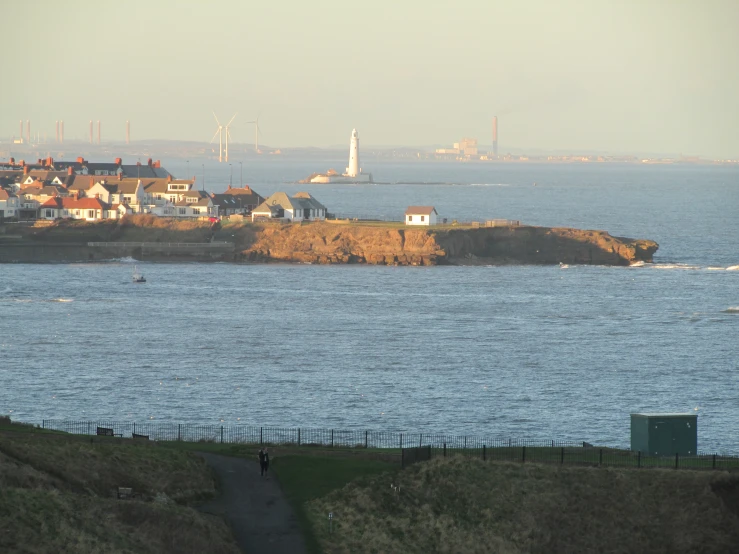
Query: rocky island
326, 242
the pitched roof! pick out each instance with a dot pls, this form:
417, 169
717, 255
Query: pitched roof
81, 182
70, 203
119, 186
4, 195
421, 210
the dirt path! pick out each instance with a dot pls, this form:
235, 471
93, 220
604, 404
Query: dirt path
261, 519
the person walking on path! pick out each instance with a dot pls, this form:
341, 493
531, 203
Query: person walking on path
266, 462
262, 465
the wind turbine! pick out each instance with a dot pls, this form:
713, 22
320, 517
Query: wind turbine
257, 132
218, 132
228, 134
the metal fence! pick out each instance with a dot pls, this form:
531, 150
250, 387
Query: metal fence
438, 445
299, 436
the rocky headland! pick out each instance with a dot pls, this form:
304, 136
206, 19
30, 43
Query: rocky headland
152, 238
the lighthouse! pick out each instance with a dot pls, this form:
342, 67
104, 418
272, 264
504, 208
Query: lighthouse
353, 169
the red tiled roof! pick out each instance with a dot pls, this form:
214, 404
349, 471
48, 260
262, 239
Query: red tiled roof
419, 210
74, 203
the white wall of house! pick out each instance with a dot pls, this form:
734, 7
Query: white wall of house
421, 219
10, 207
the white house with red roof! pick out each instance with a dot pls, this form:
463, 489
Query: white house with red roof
421, 215
87, 209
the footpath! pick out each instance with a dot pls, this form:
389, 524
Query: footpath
254, 507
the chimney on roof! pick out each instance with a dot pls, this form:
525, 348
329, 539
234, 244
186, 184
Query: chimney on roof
76, 195
169, 178
120, 176
138, 163
118, 161
246, 188
80, 160
12, 161
25, 169
50, 161
149, 162
22, 163
70, 171
157, 164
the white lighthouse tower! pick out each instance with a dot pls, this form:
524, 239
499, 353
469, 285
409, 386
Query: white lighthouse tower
353, 169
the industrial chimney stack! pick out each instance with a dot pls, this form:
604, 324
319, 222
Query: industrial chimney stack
495, 135
128, 132
91, 131
98, 131
61, 131
57, 130
28, 130
21, 135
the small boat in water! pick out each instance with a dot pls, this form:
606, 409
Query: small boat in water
137, 277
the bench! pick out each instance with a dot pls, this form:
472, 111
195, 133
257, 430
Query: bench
137, 436
107, 432
124, 493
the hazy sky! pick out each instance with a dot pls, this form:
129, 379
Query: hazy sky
618, 76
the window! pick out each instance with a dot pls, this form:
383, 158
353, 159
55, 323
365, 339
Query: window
91, 214
422, 217
196, 210
183, 211
49, 213
76, 212
410, 218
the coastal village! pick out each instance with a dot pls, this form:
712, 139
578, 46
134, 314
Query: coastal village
92, 191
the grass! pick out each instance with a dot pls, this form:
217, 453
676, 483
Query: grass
57, 494
307, 478
467, 505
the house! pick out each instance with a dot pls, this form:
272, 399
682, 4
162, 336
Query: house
420, 215
300, 207
120, 191
237, 201
88, 209
9, 205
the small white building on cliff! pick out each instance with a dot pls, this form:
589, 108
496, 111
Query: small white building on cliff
421, 215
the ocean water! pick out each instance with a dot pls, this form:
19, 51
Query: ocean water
519, 351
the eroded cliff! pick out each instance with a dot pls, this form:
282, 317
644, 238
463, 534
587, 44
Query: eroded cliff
387, 244
374, 244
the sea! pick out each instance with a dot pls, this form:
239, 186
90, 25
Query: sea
522, 352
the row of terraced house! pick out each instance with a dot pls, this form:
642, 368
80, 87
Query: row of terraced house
51, 189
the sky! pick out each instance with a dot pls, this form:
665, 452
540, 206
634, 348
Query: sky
590, 75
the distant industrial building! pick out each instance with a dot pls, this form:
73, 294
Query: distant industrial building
465, 147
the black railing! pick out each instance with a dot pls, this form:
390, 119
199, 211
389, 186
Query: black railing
438, 445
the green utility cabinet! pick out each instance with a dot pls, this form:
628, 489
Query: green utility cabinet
664, 434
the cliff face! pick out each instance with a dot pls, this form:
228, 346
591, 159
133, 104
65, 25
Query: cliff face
329, 243
323, 243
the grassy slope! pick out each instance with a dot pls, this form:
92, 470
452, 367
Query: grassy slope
306, 478
467, 505
58, 496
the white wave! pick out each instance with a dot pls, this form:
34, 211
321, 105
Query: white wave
733, 268
62, 300
637, 264
489, 185
732, 310
126, 260
714, 268
675, 266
